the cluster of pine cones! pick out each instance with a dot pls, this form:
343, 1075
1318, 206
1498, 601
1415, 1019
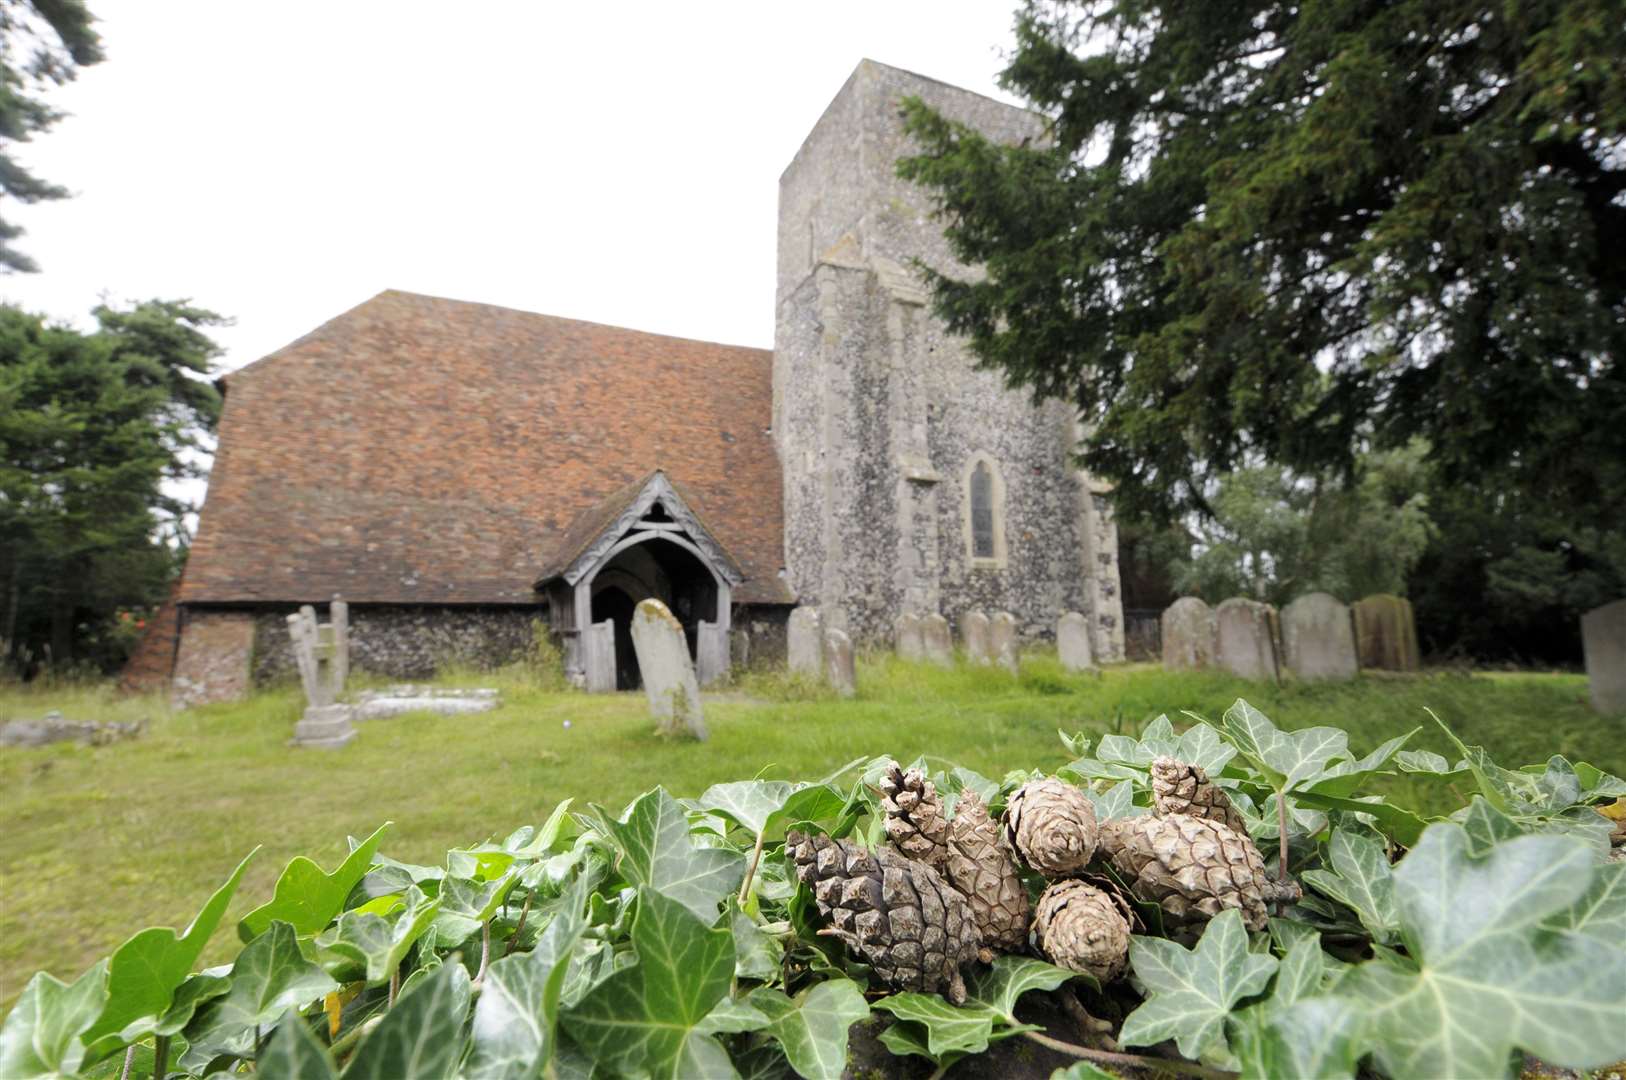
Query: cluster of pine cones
949, 891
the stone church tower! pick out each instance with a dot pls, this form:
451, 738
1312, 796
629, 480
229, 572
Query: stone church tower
912, 481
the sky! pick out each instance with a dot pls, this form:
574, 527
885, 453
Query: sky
281, 162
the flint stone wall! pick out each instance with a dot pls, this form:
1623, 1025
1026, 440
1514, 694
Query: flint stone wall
404, 642
1603, 637
879, 413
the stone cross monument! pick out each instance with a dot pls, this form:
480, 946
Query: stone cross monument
322, 651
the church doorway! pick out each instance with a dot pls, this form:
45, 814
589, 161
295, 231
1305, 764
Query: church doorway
615, 605
659, 566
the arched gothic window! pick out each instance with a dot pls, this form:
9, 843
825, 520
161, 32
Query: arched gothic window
984, 513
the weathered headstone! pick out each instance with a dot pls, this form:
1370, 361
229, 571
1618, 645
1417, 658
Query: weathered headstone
667, 670
1188, 635
406, 698
1244, 640
1002, 642
975, 637
1386, 633
1073, 642
936, 641
838, 658
907, 637
1318, 638
322, 653
1603, 637
804, 642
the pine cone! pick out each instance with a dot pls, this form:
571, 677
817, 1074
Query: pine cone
1179, 788
981, 868
1192, 868
1050, 825
1078, 927
906, 922
914, 816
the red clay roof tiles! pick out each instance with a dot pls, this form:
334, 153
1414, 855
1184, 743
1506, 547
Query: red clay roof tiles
421, 450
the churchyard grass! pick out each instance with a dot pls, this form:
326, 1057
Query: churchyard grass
98, 842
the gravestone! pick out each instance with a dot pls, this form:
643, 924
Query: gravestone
1603, 637
322, 654
1073, 642
1002, 643
804, 642
974, 637
907, 637
1318, 638
1244, 641
1188, 635
667, 670
936, 642
838, 659
1386, 633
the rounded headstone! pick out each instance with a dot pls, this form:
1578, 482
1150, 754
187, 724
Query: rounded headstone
1318, 638
1188, 635
1386, 633
1002, 641
838, 658
1073, 642
907, 637
1245, 639
936, 641
974, 637
804, 642
667, 670
1603, 637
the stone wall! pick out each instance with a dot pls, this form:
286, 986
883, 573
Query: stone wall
404, 642
880, 414
213, 661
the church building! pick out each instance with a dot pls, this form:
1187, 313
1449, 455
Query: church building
467, 476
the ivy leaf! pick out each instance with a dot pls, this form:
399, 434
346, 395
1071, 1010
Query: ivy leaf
1427, 761
1010, 977
644, 1018
1490, 970
1192, 991
1315, 1037
192, 995
306, 898
760, 805
269, 977
145, 971
812, 1028
422, 1036
1286, 758
757, 954
41, 1035
1083, 1070
1400, 823
466, 905
949, 1030
516, 1019
655, 851
1119, 801
731, 1017
1342, 778
294, 1054
371, 947
1361, 880
1600, 913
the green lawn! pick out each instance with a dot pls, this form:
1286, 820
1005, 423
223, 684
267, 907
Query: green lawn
96, 843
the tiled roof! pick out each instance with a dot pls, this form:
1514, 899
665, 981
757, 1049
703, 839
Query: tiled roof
420, 450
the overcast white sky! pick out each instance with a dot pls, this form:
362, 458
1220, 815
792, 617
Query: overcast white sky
281, 162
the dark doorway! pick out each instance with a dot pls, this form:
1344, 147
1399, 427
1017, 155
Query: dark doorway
665, 570
613, 604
